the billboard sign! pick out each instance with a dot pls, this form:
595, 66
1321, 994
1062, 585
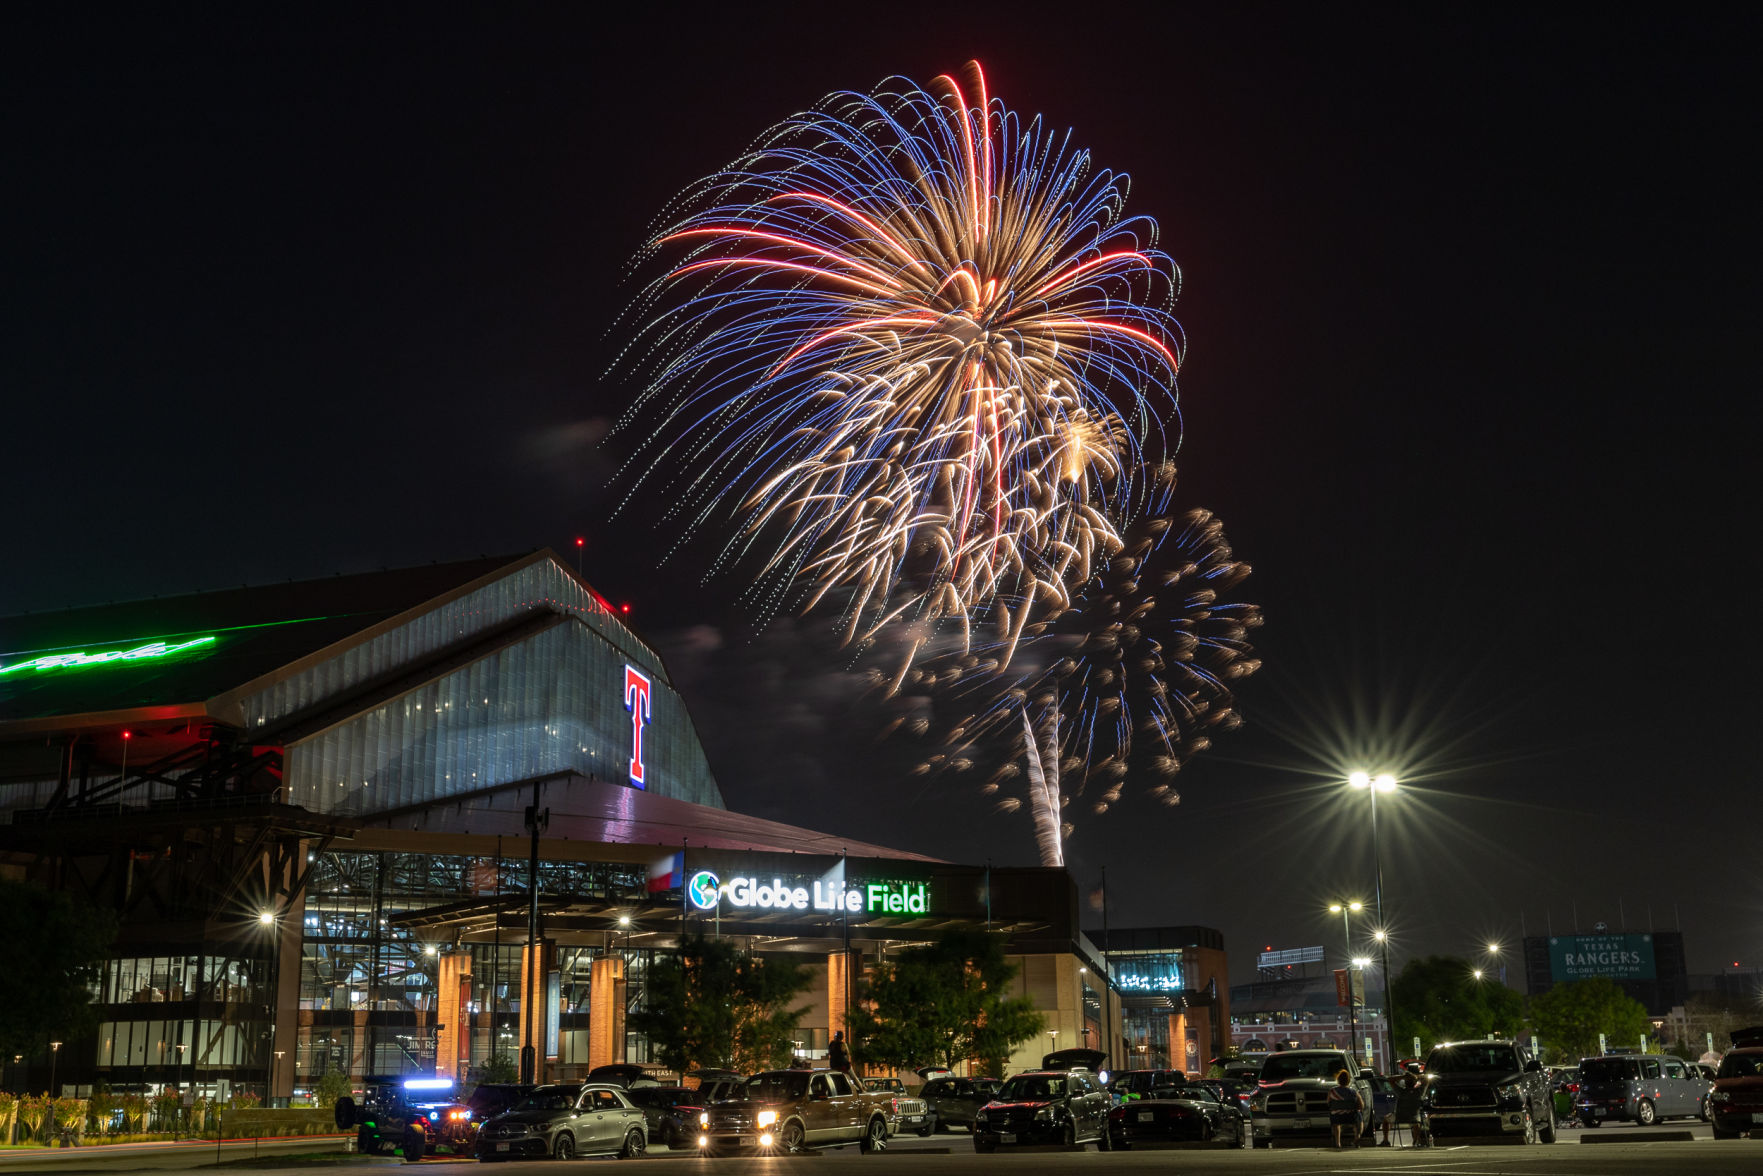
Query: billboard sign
1614, 957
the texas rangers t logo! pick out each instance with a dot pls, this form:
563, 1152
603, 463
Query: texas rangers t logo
636, 701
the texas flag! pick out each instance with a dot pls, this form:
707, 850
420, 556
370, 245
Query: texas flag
668, 874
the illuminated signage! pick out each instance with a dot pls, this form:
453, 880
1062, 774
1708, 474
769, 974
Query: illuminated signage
706, 892
637, 691
152, 649
1150, 983
1615, 957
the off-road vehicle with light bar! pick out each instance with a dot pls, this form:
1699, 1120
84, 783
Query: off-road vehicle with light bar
413, 1116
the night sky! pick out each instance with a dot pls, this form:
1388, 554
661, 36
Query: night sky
1469, 305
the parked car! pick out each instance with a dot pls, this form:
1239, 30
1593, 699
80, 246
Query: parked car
1737, 1101
413, 1116
1232, 1090
794, 1110
1639, 1088
1067, 1107
1383, 1097
1487, 1088
1191, 1113
622, 1074
1293, 1100
1078, 1058
1563, 1091
891, 1085
565, 1121
670, 1111
1140, 1082
955, 1101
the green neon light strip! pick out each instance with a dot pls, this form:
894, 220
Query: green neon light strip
152, 649
61, 652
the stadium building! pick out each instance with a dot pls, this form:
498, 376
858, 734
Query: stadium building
316, 808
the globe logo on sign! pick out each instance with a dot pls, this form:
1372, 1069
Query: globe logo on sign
704, 889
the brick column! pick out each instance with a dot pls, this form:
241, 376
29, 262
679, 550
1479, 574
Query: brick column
606, 999
453, 1013
842, 970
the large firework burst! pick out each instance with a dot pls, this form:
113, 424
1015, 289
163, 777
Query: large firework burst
916, 346
1125, 686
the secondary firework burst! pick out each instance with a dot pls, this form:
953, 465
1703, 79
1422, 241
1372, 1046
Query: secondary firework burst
915, 346
1122, 688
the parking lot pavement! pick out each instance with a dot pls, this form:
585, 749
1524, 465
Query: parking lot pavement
1622, 1150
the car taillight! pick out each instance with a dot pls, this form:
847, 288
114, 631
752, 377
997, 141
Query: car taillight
1573, 1088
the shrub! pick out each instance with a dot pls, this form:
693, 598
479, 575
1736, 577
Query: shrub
32, 1111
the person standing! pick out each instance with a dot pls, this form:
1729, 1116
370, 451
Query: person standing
1344, 1105
838, 1056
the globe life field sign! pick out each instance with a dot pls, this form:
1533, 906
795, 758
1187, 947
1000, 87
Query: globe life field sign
1614, 957
707, 892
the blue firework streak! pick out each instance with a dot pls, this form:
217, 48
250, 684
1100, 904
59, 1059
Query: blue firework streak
1124, 686
914, 345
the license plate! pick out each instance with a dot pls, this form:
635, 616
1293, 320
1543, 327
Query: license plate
1756, 1118
501, 1147
1301, 1124
1146, 1116
1597, 1112
1006, 1137
915, 1118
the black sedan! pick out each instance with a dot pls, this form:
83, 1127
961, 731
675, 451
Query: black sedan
1178, 1114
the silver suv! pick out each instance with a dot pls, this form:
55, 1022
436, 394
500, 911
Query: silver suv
1293, 1100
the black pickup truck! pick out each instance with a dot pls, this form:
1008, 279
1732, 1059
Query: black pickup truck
1487, 1088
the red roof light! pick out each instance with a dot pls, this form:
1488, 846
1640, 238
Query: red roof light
624, 608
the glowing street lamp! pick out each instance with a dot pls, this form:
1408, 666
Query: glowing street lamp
1382, 782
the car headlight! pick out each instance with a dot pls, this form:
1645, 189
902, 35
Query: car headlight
1044, 1113
1509, 1092
703, 1118
1721, 1096
767, 1118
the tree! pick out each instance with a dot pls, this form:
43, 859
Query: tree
1708, 1016
1439, 999
331, 1086
944, 1002
1570, 1016
712, 1004
497, 1068
54, 947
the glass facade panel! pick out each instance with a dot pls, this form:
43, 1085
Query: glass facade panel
540, 586
368, 987
553, 702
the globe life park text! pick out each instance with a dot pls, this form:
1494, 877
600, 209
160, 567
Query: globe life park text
706, 892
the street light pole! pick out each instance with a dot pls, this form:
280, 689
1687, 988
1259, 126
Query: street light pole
54, 1056
1384, 782
1342, 908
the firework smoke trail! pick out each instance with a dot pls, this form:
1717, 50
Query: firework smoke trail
1043, 790
1133, 680
917, 349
